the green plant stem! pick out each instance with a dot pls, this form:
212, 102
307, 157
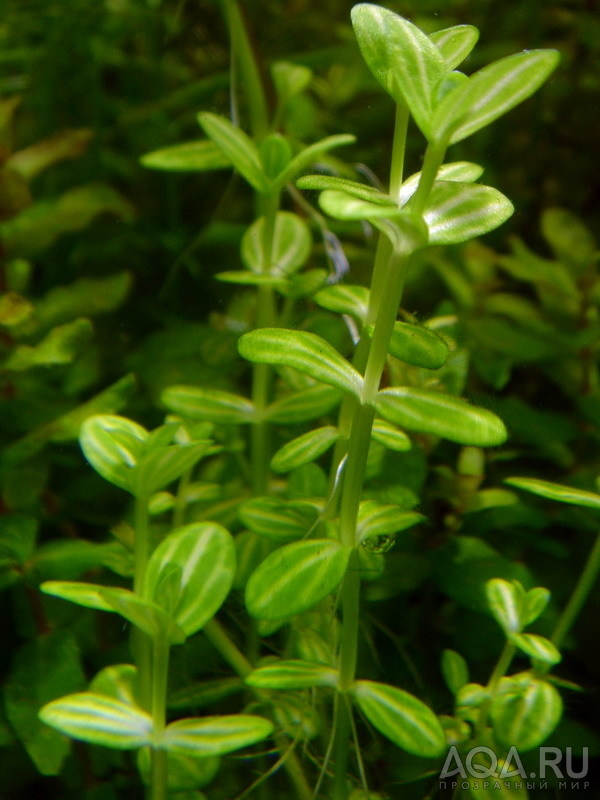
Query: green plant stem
141, 646
580, 594
160, 673
502, 665
399, 150
434, 157
245, 64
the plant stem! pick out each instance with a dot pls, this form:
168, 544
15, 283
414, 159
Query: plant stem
160, 673
579, 596
503, 663
141, 645
434, 157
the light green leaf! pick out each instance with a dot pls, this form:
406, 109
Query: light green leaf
304, 449
98, 719
461, 171
117, 681
212, 405
537, 647
557, 491
524, 711
457, 212
508, 603
60, 346
401, 717
293, 674
455, 670
389, 436
215, 736
572, 242
342, 205
201, 556
291, 245
491, 92
362, 191
345, 299
417, 345
236, 146
289, 79
308, 156
304, 405
162, 465
295, 578
440, 414
113, 446
402, 58
455, 43
87, 595
84, 297
377, 519
276, 519
536, 600
243, 277
275, 154
198, 156
305, 352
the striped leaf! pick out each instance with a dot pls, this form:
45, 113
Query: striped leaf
376, 519
537, 600
113, 446
342, 205
507, 601
402, 58
345, 299
190, 573
215, 736
491, 92
244, 277
98, 719
557, 491
304, 405
198, 156
295, 578
401, 717
440, 414
389, 436
307, 157
304, 351
291, 245
417, 346
294, 674
360, 190
455, 43
457, 212
524, 711
277, 520
537, 647
462, 171
117, 681
212, 405
304, 449
236, 146
162, 465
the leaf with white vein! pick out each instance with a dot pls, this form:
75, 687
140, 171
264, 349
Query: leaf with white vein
455, 43
215, 736
457, 212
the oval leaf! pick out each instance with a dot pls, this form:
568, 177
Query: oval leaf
455, 670
417, 346
305, 352
557, 491
215, 736
291, 245
304, 405
400, 716
295, 578
441, 415
198, 156
525, 712
390, 437
537, 647
508, 603
457, 212
113, 446
455, 43
345, 299
293, 674
211, 405
99, 719
278, 520
304, 449
236, 146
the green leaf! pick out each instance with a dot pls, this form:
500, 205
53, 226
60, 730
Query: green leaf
215, 736
98, 719
417, 345
442, 415
212, 405
537, 647
204, 554
117, 681
389, 436
85, 297
455, 43
342, 205
536, 600
401, 717
455, 670
557, 491
303, 406
402, 58
162, 465
362, 191
242, 277
276, 519
308, 156
113, 446
238, 147
60, 346
295, 578
457, 212
345, 299
508, 603
198, 156
293, 674
572, 242
305, 352
289, 79
291, 245
41, 669
275, 154
461, 171
525, 711
304, 449
376, 519
491, 92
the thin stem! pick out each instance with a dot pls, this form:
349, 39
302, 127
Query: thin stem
398, 150
502, 665
579, 596
434, 156
141, 646
160, 674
